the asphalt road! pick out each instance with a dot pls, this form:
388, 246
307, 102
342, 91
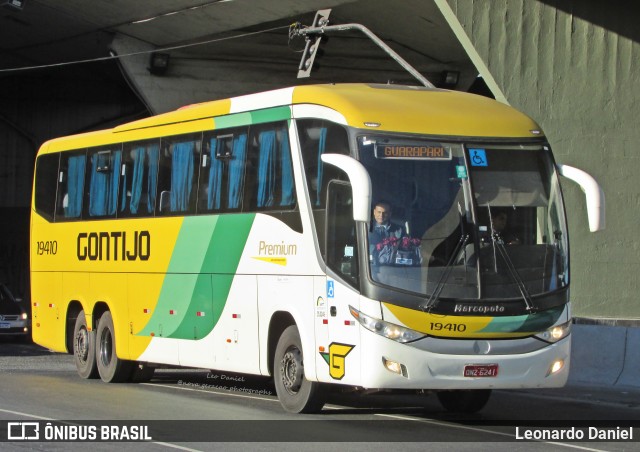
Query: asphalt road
202, 410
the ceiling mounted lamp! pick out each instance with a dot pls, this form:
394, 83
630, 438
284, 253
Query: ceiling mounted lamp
450, 79
13, 4
159, 63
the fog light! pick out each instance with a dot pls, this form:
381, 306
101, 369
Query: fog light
555, 367
395, 367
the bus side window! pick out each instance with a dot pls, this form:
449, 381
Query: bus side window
71, 185
223, 165
237, 171
178, 174
104, 181
46, 183
342, 247
209, 187
319, 137
270, 183
139, 177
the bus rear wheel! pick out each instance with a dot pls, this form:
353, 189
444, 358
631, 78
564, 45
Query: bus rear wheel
464, 401
111, 368
295, 392
84, 348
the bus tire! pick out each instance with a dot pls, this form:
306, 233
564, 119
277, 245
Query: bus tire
295, 392
111, 368
84, 348
464, 401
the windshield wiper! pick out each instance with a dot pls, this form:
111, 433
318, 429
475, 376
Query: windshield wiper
433, 298
499, 244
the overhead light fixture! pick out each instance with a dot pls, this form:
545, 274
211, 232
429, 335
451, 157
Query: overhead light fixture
13, 4
159, 63
450, 78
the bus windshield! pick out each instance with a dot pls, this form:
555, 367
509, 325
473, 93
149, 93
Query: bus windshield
522, 233
488, 225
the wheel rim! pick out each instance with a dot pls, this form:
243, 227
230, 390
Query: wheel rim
292, 370
106, 347
82, 344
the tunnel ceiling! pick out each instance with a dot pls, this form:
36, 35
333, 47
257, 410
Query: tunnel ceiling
48, 32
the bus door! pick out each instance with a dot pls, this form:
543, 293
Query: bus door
341, 351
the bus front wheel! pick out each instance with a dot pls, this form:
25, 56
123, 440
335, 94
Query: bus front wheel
111, 368
464, 401
295, 392
84, 348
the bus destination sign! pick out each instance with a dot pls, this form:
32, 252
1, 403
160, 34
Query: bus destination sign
419, 150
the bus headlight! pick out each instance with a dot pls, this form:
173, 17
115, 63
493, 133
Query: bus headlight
389, 330
555, 333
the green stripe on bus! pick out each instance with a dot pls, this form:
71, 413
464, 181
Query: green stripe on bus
181, 281
254, 117
190, 303
505, 324
542, 321
220, 265
271, 115
529, 323
226, 246
191, 247
235, 120
200, 314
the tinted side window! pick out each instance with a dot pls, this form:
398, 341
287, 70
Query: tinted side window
103, 167
270, 184
342, 246
178, 174
222, 170
71, 185
139, 179
46, 185
319, 137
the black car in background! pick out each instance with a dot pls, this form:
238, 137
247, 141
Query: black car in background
14, 319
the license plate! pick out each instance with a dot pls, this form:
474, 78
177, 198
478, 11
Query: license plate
5, 325
481, 370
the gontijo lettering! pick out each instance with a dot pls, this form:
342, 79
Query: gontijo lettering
114, 246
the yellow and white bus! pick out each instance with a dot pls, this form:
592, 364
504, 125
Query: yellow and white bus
236, 235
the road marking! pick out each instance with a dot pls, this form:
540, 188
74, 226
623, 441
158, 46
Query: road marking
27, 415
466, 427
477, 429
392, 416
330, 407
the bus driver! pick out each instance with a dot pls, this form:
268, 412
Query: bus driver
382, 227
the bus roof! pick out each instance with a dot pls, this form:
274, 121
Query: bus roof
394, 108
419, 110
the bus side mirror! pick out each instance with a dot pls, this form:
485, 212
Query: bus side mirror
360, 183
593, 193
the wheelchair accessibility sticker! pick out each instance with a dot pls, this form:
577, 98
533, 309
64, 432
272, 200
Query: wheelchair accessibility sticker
478, 157
330, 289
